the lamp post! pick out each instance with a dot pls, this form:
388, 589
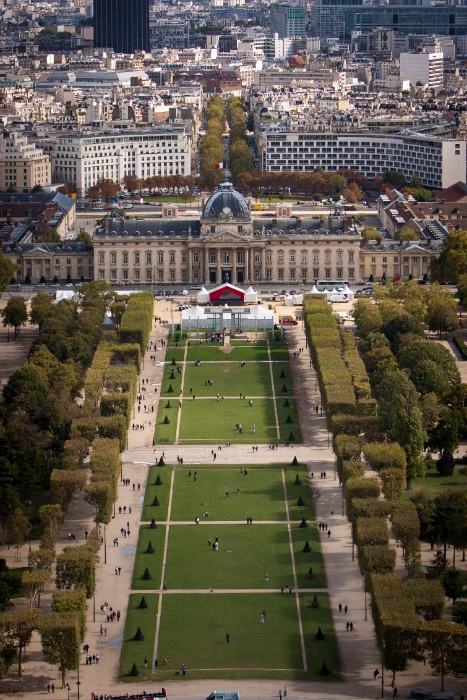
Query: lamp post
383, 646
134, 391
77, 682
68, 688
121, 461
93, 593
114, 489
353, 536
329, 419
365, 571
29, 535
104, 520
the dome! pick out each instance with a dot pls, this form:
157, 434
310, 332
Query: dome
226, 203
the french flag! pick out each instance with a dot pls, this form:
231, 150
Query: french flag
220, 166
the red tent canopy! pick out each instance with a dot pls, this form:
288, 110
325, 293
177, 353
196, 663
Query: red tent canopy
226, 292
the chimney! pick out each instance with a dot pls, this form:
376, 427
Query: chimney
378, 242
428, 242
345, 223
106, 226
274, 223
299, 223
321, 222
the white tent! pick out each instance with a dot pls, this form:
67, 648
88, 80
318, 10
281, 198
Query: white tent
251, 297
203, 296
261, 313
298, 299
288, 301
314, 290
348, 292
193, 313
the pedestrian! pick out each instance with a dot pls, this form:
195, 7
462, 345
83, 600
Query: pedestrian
86, 533
340, 607
394, 693
53, 688
183, 669
97, 658
285, 691
280, 694
164, 587
48, 687
155, 664
227, 638
375, 674
145, 662
345, 609
347, 626
226, 494
329, 533
351, 626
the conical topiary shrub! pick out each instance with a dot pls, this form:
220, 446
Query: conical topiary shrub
287, 403
324, 670
282, 375
143, 605
139, 636
319, 635
167, 405
277, 336
307, 547
300, 501
303, 522
298, 481
170, 390
172, 374
156, 502
134, 670
166, 420
158, 480
161, 462
146, 576
284, 389
315, 603
150, 549
173, 361
153, 525
295, 462
310, 575
289, 420
291, 437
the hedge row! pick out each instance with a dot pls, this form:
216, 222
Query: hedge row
347, 448
355, 366
136, 322
95, 377
461, 346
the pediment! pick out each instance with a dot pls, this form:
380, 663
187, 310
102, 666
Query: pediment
226, 237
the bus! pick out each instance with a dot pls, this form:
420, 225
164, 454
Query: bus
331, 285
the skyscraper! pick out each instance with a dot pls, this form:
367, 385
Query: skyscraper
121, 25
288, 21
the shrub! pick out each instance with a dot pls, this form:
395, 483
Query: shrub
370, 507
286, 403
351, 469
291, 437
306, 547
143, 604
166, 420
150, 549
284, 389
288, 420
294, 462
146, 576
461, 346
383, 455
298, 481
134, 670
361, 487
300, 501
153, 525
156, 502
159, 481
139, 636
303, 523
371, 531
378, 559
393, 483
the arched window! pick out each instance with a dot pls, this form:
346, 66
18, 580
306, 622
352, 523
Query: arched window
304, 256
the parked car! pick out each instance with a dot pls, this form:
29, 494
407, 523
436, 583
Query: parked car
167, 293
55, 284
196, 286
41, 284
69, 284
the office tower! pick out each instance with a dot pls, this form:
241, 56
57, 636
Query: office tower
121, 25
424, 68
288, 21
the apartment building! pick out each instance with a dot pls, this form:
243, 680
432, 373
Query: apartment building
438, 162
22, 165
404, 258
83, 159
66, 260
424, 68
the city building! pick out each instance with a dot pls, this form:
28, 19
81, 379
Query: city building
288, 21
36, 212
404, 258
226, 245
438, 162
22, 165
422, 68
65, 260
82, 159
121, 25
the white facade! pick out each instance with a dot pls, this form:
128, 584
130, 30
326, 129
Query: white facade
82, 160
437, 162
425, 68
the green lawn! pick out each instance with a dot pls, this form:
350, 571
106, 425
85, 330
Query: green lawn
294, 492
283, 413
164, 433
325, 650
133, 651
176, 354
279, 354
255, 650
210, 421
260, 495
246, 554
171, 378
281, 382
213, 353
432, 483
305, 560
152, 561
228, 379
162, 492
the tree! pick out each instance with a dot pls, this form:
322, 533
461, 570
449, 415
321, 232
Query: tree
63, 484
61, 640
405, 233
353, 193
74, 569
50, 515
99, 494
360, 218
18, 627
50, 235
442, 642
105, 188
15, 313
398, 326
431, 367
27, 387
38, 188
445, 437
71, 601
367, 317
394, 178
441, 314
41, 308
132, 183
34, 583
27, 279
453, 584
370, 233
18, 528
402, 417
451, 264
448, 518
83, 237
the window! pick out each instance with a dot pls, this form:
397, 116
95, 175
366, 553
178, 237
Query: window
339, 273
257, 274
101, 259
268, 256
149, 274
213, 229
125, 258
171, 257
257, 258
268, 274
384, 259
304, 259
160, 274
113, 258
373, 269
396, 259
292, 273
280, 274
125, 274
351, 254
240, 256
280, 256
183, 257
195, 257
284, 212
226, 257
172, 274
351, 273
101, 275
304, 273
136, 258
373, 260
327, 273
315, 273
195, 274
339, 257
316, 256
160, 257
68, 261
240, 229
148, 257
327, 256
212, 258
183, 274
169, 212
113, 274
136, 274
292, 256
